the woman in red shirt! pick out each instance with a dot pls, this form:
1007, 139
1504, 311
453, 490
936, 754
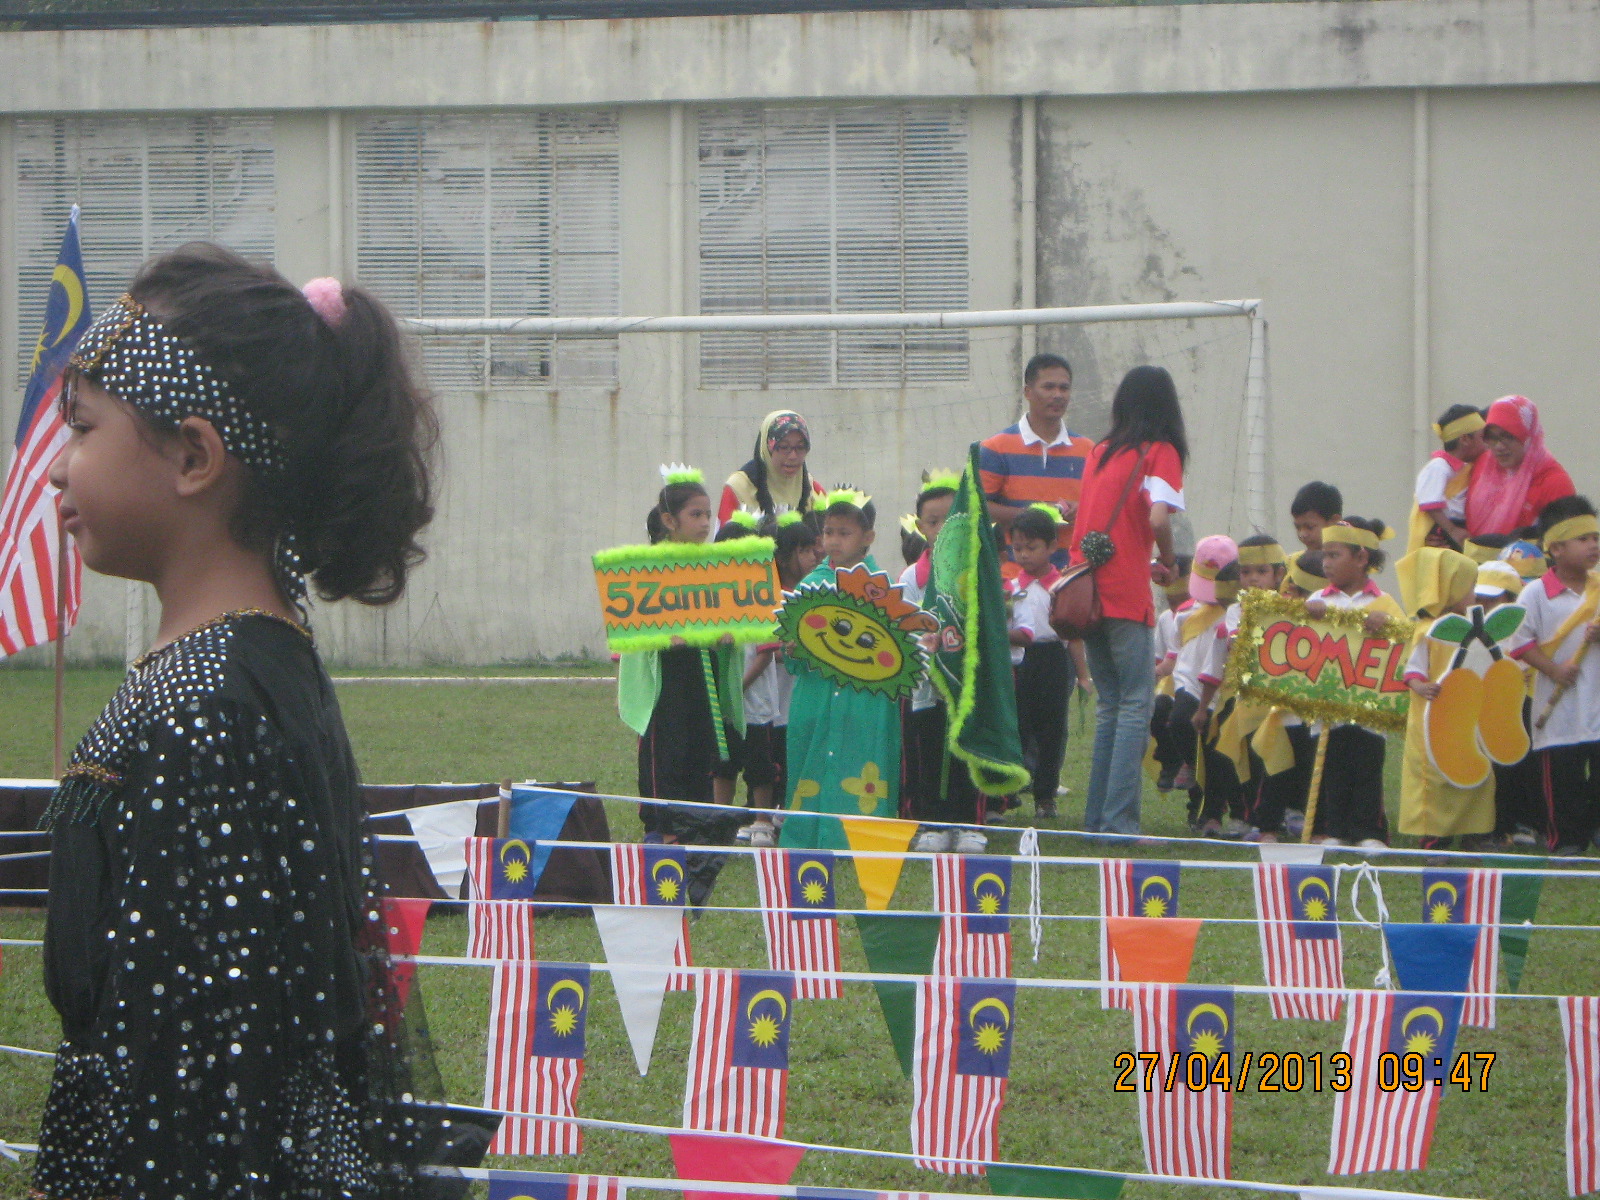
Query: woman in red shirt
1513, 482
1148, 447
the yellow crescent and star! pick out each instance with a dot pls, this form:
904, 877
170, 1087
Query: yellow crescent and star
1439, 911
989, 1037
764, 1030
989, 902
1155, 906
515, 870
564, 1020
1422, 1042
669, 887
812, 891
1206, 1042
1314, 907
73, 287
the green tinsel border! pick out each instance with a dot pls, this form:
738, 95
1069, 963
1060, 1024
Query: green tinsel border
683, 554
1257, 610
698, 634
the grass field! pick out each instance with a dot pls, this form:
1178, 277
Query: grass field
845, 1087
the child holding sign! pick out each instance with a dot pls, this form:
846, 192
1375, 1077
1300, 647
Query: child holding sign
1557, 637
1350, 807
684, 703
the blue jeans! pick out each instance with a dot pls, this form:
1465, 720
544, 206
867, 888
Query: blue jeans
1121, 658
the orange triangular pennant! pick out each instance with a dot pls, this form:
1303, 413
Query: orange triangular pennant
1153, 949
878, 876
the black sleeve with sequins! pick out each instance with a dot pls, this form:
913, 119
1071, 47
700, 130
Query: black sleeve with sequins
236, 1046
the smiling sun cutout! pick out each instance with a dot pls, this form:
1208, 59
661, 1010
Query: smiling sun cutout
857, 631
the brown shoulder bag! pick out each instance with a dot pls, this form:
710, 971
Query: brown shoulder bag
1075, 597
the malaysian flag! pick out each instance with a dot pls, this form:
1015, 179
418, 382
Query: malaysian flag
535, 1185
1185, 1132
1390, 1130
500, 917
538, 1022
655, 875
962, 1061
739, 1053
1580, 1025
1298, 908
30, 531
1470, 898
798, 909
974, 894
1130, 888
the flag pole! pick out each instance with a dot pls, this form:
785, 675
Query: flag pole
1316, 786
61, 637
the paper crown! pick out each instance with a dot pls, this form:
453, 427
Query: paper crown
1049, 510
744, 518
789, 517
672, 473
939, 477
908, 523
845, 494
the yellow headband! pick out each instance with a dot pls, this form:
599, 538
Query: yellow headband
1227, 591
1352, 535
1460, 427
1206, 570
1179, 586
1262, 556
1479, 553
1572, 527
1304, 580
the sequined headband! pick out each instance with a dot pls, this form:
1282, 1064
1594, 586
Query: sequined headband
131, 353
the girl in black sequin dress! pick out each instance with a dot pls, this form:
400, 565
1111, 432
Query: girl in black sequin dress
215, 942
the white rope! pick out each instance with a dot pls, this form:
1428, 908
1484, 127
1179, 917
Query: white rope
1384, 979
1028, 847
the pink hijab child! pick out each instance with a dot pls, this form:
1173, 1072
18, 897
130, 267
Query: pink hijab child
1514, 481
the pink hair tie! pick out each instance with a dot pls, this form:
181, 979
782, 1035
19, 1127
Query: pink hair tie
326, 297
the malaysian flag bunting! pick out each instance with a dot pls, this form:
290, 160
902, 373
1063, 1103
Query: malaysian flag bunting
500, 917
656, 875
1186, 1131
538, 1023
1298, 911
963, 1060
1130, 888
739, 1053
973, 892
535, 1185
1379, 1130
30, 531
798, 908
1470, 898
1580, 1026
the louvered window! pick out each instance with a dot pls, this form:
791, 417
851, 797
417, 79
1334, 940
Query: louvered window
145, 185
494, 216
848, 210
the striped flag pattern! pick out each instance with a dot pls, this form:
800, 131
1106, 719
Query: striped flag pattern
498, 925
739, 1053
1297, 907
797, 908
1378, 1130
1185, 1132
1470, 897
537, 1034
973, 894
30, 533
655, 875
962, 1061
1580, 1026
1131, 888
536, 1185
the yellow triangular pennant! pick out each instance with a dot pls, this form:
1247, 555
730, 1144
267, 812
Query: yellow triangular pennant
878, 876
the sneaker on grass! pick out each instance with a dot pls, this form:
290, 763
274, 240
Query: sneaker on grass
1524, 836
931, 841
970, 841
763, 835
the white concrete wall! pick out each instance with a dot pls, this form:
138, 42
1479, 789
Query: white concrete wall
1295, 179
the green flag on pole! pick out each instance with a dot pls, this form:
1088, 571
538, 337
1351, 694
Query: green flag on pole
972, 665
896, 944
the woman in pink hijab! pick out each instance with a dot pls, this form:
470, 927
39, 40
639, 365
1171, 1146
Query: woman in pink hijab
1518, 477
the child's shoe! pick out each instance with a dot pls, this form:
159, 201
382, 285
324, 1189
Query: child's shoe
1294, 824
931, 841
969, 841
763, 835
1184, 779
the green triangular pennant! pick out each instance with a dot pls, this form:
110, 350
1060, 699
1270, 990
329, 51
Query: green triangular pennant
1519, 902
899, 945
1008, 1180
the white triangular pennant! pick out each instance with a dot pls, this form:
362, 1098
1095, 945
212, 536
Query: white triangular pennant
639, 941
1286, 854
442, 831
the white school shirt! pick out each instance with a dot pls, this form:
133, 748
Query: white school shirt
1576, 718
1194, 657
1166, 635
1431, 483
1030, 610
926, 695
1221, 642
766, 700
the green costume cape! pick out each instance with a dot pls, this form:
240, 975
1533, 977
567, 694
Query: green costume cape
843, 752
639, 686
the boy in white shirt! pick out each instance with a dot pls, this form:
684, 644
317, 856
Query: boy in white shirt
1439, 516
1042, 665
1168, 751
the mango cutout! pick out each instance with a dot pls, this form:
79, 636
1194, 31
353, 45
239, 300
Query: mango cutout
1476, 720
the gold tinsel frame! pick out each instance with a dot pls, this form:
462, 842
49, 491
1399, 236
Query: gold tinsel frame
1259, 609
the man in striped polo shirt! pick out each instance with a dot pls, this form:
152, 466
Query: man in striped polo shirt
1037, 460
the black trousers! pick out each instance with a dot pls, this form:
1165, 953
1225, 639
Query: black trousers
1570, 782
1223, 794
1351, 804
1169, 749
1519, 790
1271, 796
1044, 682
935, 786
